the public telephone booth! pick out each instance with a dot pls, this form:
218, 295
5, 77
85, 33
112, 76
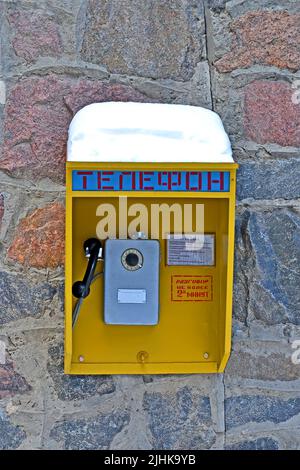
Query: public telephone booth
150, 208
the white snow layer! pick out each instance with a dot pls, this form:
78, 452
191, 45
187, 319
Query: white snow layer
147, 132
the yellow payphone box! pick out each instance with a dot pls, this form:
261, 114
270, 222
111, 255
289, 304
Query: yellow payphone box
150, 206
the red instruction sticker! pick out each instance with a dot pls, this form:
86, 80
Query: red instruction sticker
192, 288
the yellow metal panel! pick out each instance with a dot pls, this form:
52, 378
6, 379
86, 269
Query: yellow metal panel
192, 336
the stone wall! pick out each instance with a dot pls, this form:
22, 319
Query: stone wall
240, 58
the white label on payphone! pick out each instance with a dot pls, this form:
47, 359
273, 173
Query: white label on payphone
131, 296
187, 250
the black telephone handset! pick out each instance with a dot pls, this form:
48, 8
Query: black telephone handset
92, 248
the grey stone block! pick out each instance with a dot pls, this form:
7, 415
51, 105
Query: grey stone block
257, 365
215, 5
240, 7
21, 298
245, 409
142, 38
90, 433
262, 443
242, 260
275, 241
267, 269
179, 421
11, 436
75, 387
269, 180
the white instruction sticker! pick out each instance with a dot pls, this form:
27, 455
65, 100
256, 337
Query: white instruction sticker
191, 250
131, 296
